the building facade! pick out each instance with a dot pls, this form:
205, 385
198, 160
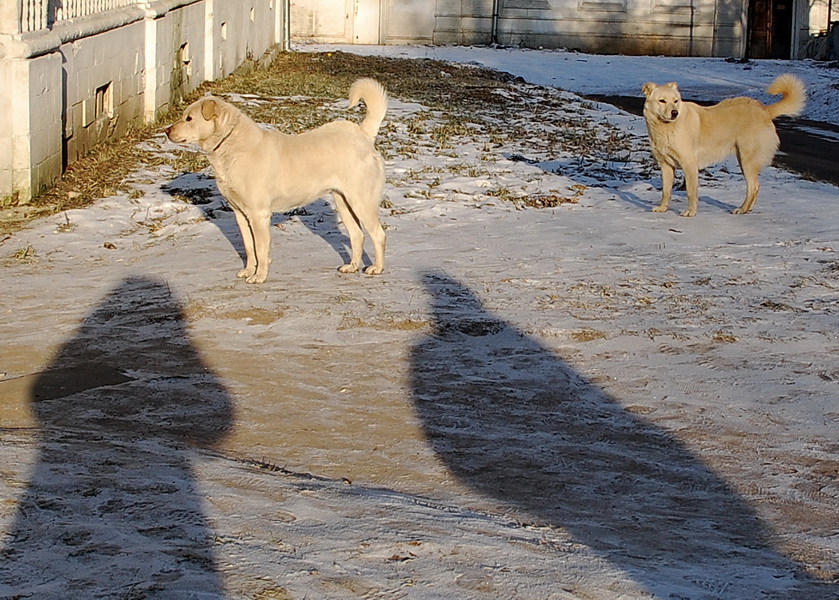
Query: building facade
725, 28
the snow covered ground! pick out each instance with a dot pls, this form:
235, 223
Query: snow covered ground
584, 401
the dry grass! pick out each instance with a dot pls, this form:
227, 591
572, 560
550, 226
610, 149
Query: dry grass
104, 171
299, 91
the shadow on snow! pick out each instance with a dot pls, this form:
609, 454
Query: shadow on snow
112, 508
518, 424
319, 217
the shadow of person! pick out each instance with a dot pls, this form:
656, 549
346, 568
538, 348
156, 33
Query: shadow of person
112, 507
519, 425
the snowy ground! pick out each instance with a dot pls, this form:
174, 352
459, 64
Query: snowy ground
710, 79
587, 401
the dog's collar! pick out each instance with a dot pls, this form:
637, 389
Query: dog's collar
222, 140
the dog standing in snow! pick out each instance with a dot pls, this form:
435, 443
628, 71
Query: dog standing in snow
691, 137
259, 172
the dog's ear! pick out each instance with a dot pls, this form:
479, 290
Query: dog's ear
209, 109
648, 88
673, 85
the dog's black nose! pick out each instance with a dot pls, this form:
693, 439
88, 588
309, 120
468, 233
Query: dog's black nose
674, 114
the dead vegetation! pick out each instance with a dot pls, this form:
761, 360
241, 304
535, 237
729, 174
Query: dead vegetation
299, 91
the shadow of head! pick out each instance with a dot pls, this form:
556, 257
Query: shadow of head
112, 506
520, 425
132, 369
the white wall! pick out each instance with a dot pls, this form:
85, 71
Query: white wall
670, 27
84, 81
327, 21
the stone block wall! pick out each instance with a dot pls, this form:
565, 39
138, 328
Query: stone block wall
102, 88
668, 27
66, 89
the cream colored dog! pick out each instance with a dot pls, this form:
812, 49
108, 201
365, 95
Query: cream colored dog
259, 172
692, 137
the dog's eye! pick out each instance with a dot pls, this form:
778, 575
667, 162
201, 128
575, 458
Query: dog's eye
188, 119
662, 100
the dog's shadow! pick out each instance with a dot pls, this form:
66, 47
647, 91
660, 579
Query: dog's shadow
678, 202
319, 217
590, 173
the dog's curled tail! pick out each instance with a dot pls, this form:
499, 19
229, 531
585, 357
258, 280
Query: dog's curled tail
794, 96
375, 97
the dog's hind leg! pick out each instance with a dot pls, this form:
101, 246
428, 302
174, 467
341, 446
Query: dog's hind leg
752, 161
369, 216
356, 235
367, 212
752, 188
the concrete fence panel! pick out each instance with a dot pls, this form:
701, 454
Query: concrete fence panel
76, 73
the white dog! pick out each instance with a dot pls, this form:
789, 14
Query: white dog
691, 137
259, 172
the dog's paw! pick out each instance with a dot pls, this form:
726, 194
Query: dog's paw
739, 211
348, 268
245, 273
688, 213
659, 209
373, 270
256, 278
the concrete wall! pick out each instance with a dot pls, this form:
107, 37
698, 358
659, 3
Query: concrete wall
326, 21
68, 88
670, 27
102, 89
31, 125
408, 22
463, 22
813, 21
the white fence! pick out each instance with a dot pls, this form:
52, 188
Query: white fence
76, 73
43, 14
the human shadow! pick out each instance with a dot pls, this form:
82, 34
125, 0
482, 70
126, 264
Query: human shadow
521, 426
112, 508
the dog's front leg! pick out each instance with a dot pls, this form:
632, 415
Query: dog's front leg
261, 227
668, 174
247, 241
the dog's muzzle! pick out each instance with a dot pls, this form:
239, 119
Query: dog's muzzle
168, 132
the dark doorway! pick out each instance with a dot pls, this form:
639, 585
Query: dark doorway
770, 28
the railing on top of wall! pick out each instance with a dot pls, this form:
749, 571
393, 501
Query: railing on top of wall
43, 14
